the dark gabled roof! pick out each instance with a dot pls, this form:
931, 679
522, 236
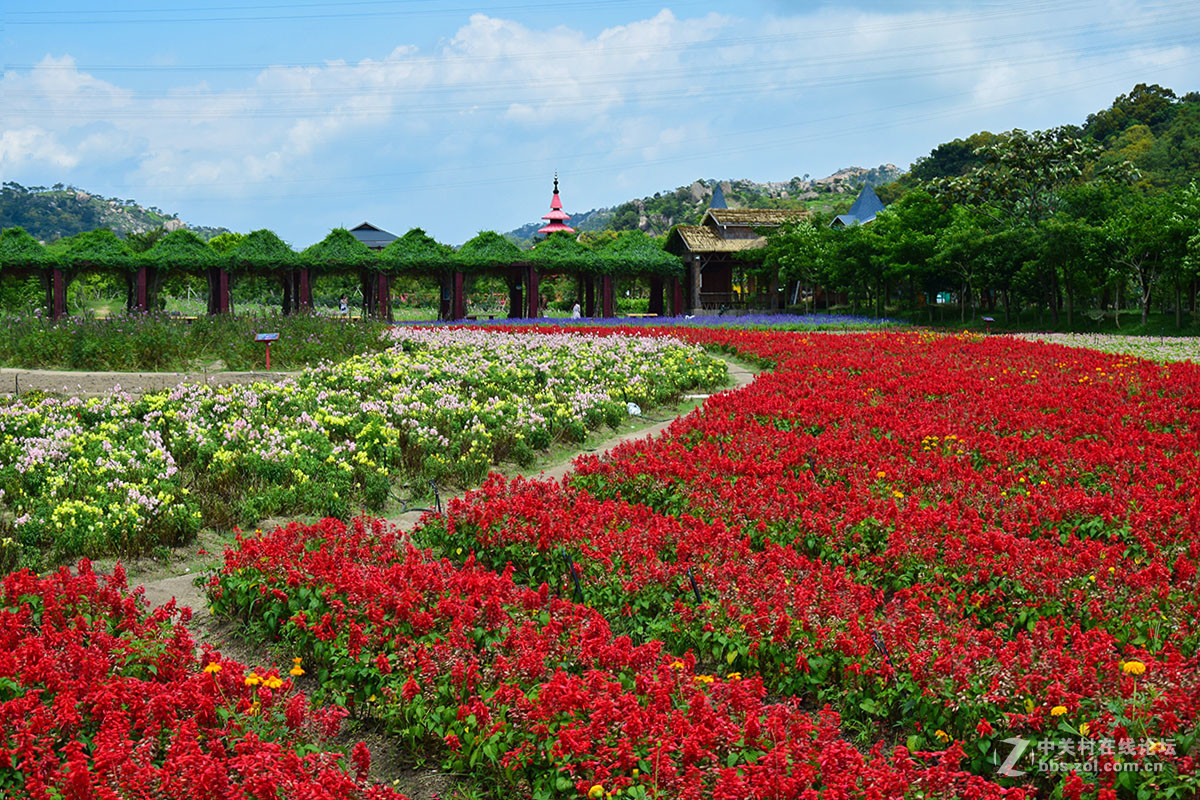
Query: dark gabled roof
718, 198
865, 207
372, 236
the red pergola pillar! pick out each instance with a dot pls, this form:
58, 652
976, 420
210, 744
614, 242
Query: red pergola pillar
458, 302
140, 291
656, 296
589, 296
304, 301
676, 297
608, 301
222, 291
383, 298
531, 293
58, 292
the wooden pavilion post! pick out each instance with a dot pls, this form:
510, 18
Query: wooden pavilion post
676, 297
608, 303
532, 296
458, 304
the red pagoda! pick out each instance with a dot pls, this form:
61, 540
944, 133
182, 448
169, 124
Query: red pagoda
556, 216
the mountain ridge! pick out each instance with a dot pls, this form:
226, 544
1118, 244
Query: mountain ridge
656, 214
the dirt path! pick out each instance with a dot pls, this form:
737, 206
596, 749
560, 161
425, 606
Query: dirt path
93, 384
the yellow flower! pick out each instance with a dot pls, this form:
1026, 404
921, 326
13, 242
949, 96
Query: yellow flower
703, 678
596, 792
1085, 728
296, 671
898, 494
213, 668
677, 664
881, 474
1157, 747
1058, 711
734, 676
1133, 668
253, 680
941, 735
273, 682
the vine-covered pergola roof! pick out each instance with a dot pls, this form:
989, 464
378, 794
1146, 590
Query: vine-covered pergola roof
340, 250
417, 251
488, 249
561, 252
183, 250
19, 250
635, 253
99, 249
262, 250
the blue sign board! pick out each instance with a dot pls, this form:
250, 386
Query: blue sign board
266, 337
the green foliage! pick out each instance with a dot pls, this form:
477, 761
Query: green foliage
98, 250
560, 253
416, 251
182, 250
260, 250
19, 250
159, 342
635, 253
340, 250
488, 250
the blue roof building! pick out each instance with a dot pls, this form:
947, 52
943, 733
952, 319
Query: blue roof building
863, 211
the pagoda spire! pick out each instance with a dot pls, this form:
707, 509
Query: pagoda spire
557, 217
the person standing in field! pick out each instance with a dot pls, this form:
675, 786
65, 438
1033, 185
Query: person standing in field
344, 307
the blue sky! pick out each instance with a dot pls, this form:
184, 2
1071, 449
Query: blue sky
451, 116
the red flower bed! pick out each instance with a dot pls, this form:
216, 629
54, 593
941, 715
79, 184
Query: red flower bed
935, 534
535, 693
101, 699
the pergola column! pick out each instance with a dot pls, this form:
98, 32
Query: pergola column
222, 290
656, 296
304, 300
676, 297
516, 299
383, 298
608, 303
532, 296
589, 296
140, 291
58, 293
458, 303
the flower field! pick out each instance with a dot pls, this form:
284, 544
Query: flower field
857, 576
1155, 348
897, 565
120, 475
101, 699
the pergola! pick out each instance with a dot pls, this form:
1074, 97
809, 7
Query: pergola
262, 253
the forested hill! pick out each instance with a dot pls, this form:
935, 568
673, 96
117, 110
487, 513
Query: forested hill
1151, 127
50, 213
686, 204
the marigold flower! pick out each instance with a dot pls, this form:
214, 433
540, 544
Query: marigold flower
596, 792
273, 682
253, 680
942, 735
1058, 711
296, 671
1133, 668
213, 668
